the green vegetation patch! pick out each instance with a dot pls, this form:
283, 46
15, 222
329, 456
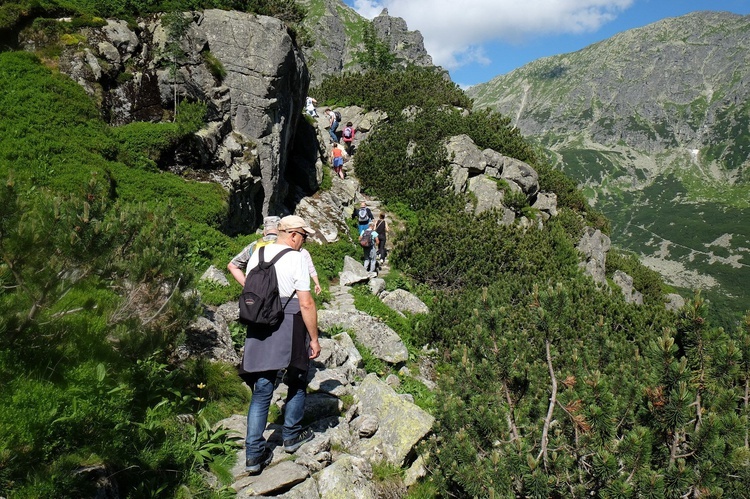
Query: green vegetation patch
54, 137
639, 225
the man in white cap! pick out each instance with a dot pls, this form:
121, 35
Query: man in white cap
288, 347
238, 265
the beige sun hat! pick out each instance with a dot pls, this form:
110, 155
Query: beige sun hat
295, 222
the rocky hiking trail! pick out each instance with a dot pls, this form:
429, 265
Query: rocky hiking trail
358, 419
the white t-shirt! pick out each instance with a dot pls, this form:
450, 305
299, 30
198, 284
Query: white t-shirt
291, 269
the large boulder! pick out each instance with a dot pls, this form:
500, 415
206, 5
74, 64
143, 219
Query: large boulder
378, 337
487, 193
464, 153
268, 80
403, 301
546, 202
208, 336
523, 175
349, 476
401, 424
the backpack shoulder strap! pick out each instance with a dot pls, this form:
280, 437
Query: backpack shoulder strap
272, 263
281, 253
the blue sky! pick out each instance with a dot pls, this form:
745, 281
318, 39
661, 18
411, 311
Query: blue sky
477, 40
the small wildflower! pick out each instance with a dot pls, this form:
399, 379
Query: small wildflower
201, 386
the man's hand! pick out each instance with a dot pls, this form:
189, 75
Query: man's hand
314, 349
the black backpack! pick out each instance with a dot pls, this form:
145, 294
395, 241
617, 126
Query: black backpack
337, 115
365, 240
260, 303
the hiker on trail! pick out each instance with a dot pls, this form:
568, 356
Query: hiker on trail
333, 123
337, 160
270, 234
347, 137
238, 265
363, 216
310, 107
287, 347
368, 239
381, 228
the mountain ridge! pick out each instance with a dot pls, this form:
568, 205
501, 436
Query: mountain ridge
653, 125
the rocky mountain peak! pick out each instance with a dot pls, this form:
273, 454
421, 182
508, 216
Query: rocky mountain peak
336, 30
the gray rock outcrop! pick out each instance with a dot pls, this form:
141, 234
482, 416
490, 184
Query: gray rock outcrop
490, 177
335, 51
594, 246
401, 423
408, 46
353, 272
674, 302
625, 282
215, 275
253, 108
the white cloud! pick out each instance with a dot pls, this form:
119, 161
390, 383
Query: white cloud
454, 31
368, 8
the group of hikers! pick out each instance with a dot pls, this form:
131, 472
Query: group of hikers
338, 154
275, 273
372, 237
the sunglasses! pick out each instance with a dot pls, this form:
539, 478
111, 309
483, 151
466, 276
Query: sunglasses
303, 234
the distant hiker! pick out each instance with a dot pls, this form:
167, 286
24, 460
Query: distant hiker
310, 107
311, 269
238, 265
381, 228
347, 137
337, 160
363, 216
288, 347
368, 239
333, 123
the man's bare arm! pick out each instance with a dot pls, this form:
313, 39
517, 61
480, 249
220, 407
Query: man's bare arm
310, 318
237, 273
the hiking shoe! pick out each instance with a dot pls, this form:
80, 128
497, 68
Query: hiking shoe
291, 445
253, 466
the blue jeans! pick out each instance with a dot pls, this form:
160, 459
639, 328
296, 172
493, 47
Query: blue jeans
332, 131
370, 258
262, 385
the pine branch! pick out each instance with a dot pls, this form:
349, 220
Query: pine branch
550, 411
697, 404
176, 287
72, 311
673, 449
509, 416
